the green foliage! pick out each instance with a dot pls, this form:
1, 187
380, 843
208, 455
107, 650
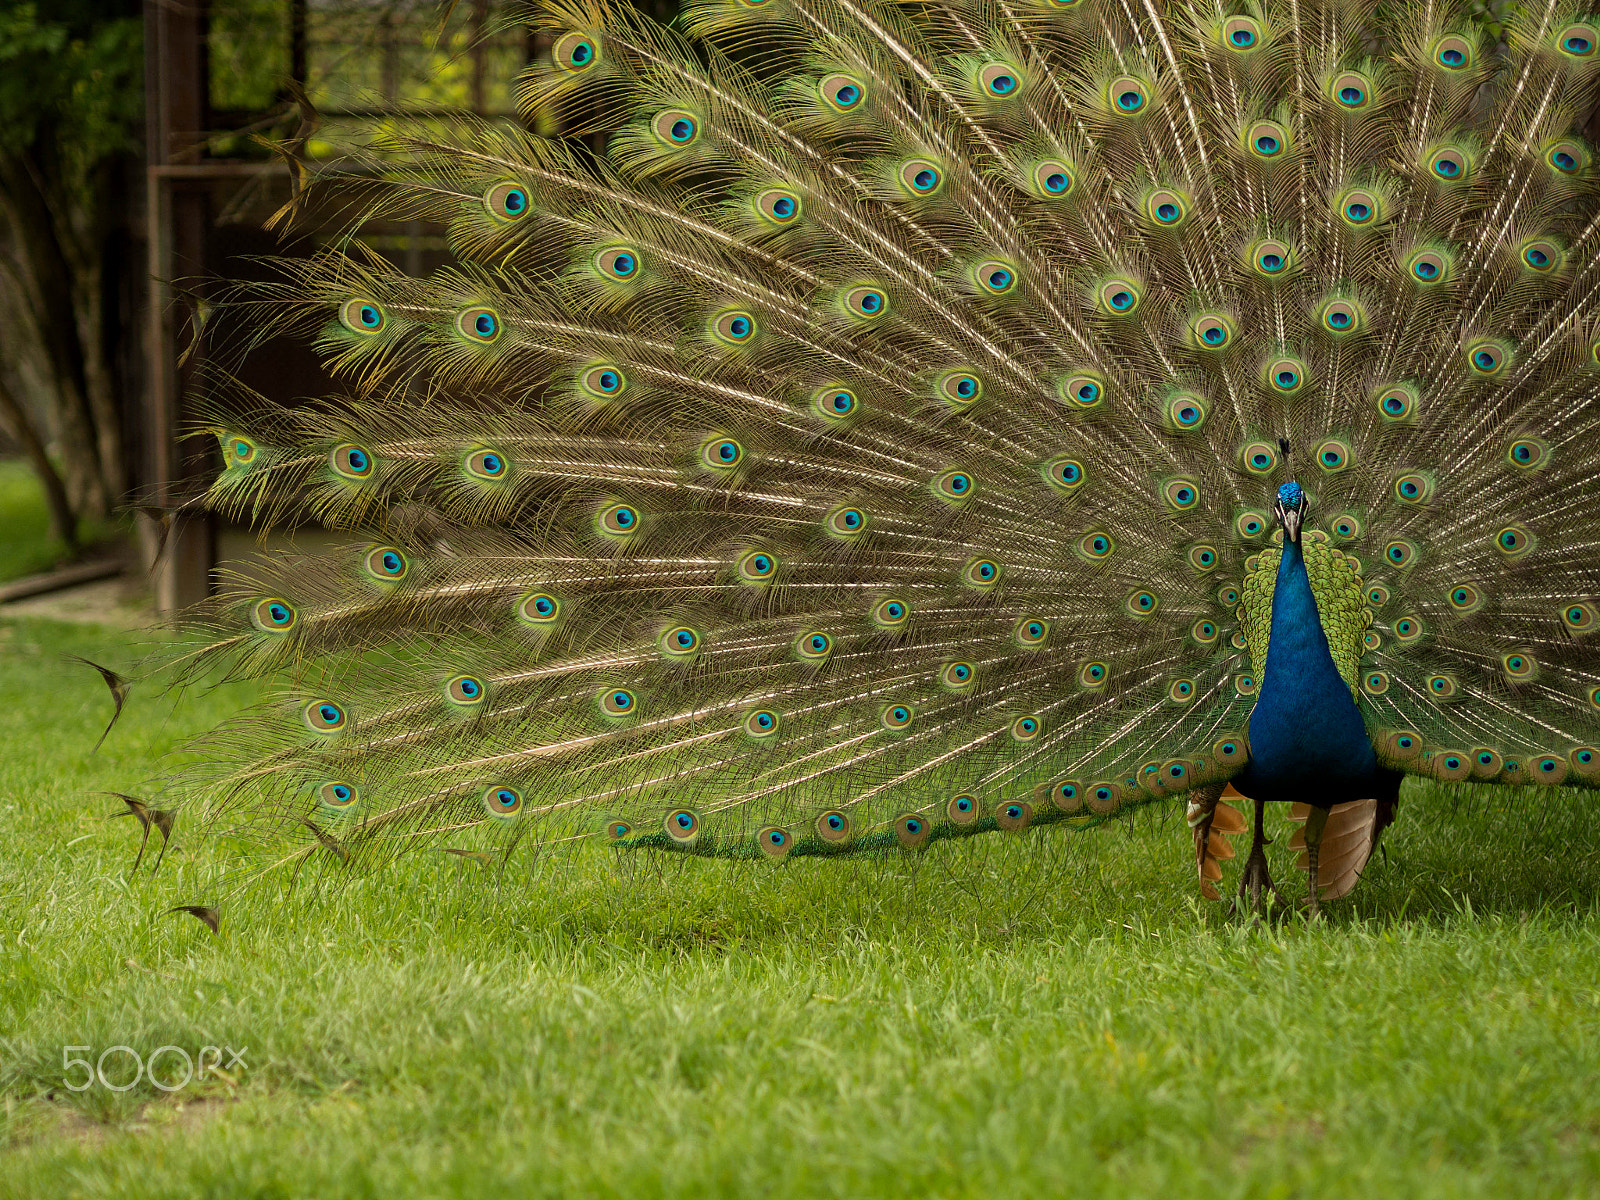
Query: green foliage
1007, 1016
71, 74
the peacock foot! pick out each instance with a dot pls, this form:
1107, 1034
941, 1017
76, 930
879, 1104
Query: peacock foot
1255, 880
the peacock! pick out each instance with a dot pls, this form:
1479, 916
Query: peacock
869, 423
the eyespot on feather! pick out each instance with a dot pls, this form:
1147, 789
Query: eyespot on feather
680, 642
274, 615
733, 327
1203, 557
721, 454
480, 325
757, 567
1030, 632
1397, 402
488, 465
1578, 41
1093, 675
1271, 259
1103, 797
1449, 164
1127, 95
981, 573
618, 520
1118, 297
1539, 256
959, 387
1259, 458
617, 702
538, 609
1052, 179
676, 128
1408, 629
507, 201
761, 724
1351, 90
835, 403
465, 690
1142, 603
1528, 454
1001, 81
1205, 631
1266, 140
1359, 208
1181, 495
954, 487
842, 93
362, 316
604, 381
1285, 375
1486, 357
833, 827
1067, 795
866, 302
1241, 34
1250, 524
1414, 487
619, 264
1165, 208
1211, 331
682, 825
896, 717
338, 795
911, 830
1025, 729
1580, 616
1066, 475
1427, 268
963, 809
1452, 53
385, 563
957, 676
1340, 318
1096, 546
813, 646
1013, 816
1513, 541
846, 521
1345, 527
575, 52
351, 461
324, 716
994, 277
503, 803
920, 177
890, 613
775, 842
778, 206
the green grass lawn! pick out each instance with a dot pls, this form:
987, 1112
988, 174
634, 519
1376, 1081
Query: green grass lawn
26, 546
1051, 1014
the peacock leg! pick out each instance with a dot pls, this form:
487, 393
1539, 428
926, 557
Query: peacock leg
1256, 876
1315, 824
1202, 811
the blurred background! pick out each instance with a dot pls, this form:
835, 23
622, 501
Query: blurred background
136, 170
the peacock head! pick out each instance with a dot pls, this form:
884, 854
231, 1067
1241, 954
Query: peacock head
1290, 509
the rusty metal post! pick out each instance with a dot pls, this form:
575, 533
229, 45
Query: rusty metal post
177, 84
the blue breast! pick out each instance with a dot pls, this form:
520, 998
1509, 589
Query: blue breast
1307, 739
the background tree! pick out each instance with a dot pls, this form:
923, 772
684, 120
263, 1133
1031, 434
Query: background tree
70, 112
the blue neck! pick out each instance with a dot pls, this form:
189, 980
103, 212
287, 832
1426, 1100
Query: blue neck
1307, 739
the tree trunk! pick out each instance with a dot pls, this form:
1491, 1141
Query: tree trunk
55, 283
63, 521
